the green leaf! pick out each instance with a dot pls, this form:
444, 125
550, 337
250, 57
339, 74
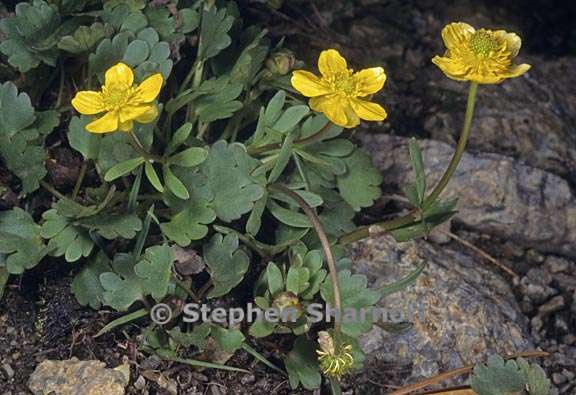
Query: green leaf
418, 166
214, 33
122, 287
283, 159
290, 118
161, 19
302, 364
226, 262
32, 35
136, 52
289, 217
120, 321
155, 271
88, 144
497, 377
229, 340
227, 169
435, 215
85, 38
355, 295
20, 240
153, 177
86, 285
198, 337
113, 226
65, 238
22, 136
403, 282
189, 157
4, 276
189, 20
16, 111
254, 52
360, 185
536, 381
219, 104
274, 278
191, 217
179, 137
174, 184
261, 328
123, 168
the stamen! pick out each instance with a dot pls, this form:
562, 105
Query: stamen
482, 43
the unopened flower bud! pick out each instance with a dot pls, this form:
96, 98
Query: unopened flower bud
281, 62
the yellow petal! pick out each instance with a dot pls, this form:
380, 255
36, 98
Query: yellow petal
331, 63
368, 111
119, 75
107, 123
337, 109
516, 71
308, 84
456, 34
452, 69
370, 81
514, 43
130, 113
149, 116
149, 89
88, 102
126, 126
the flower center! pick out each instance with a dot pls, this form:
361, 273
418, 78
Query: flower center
345, 84
482, 43
116, 97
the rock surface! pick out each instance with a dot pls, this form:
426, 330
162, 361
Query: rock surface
75, 377
462, 311
497, 195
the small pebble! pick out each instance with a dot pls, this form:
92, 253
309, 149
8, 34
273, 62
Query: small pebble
553, 305
558, 378
9, 371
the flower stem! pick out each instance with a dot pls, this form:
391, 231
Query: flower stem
52, 190
309, 211
79, 180
459, 148
305, 141
382, 227
142, 151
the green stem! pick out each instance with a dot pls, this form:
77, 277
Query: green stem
441, 185
79, 180
382, 227
317, 225
142, 151
52, 190
305, 141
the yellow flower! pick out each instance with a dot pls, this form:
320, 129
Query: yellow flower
482, 56
122, 101
332, 363
342, 95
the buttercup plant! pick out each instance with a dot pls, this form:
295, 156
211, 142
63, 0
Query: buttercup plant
211, 173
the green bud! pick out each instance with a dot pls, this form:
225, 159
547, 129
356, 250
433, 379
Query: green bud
281, 62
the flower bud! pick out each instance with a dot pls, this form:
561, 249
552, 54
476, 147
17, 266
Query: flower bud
281, 62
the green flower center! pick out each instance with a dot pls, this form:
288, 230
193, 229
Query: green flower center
346, 85
116, 97
482, 43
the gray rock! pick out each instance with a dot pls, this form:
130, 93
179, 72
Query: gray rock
461, 311
75, 377
497, 195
